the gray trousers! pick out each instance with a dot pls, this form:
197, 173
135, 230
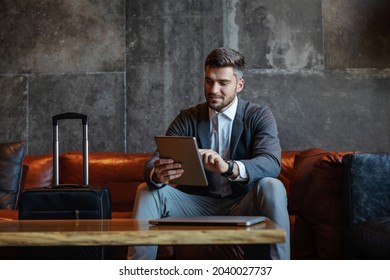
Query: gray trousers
267, 198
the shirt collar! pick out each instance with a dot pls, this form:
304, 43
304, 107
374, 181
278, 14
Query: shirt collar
229, 112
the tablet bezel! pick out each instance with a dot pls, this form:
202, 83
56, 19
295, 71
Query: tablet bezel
183, 149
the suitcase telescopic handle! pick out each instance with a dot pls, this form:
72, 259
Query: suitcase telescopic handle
67, 116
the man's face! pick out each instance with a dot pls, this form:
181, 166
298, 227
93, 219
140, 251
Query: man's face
221, 87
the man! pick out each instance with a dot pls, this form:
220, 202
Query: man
240, 149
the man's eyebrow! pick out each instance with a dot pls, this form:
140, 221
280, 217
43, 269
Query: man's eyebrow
219, 80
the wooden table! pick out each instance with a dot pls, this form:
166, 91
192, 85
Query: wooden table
130, 232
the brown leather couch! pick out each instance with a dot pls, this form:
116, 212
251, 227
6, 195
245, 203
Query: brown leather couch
312, 179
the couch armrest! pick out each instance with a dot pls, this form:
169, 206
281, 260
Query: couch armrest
366, 187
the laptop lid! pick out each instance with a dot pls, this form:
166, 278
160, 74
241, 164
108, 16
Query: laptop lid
183, 149
209, 220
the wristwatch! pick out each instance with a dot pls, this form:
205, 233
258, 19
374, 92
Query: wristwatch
229, 172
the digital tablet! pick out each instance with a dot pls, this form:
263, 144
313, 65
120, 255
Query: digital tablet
184, 150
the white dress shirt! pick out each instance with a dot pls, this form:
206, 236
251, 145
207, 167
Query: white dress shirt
221, 130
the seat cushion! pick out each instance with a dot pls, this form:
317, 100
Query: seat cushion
11, 168
371, 239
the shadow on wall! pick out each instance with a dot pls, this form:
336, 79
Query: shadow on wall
375, 30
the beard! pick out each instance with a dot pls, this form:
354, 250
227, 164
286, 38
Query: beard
219, 102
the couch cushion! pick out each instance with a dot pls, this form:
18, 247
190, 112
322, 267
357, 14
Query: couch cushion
8, 214
121, 172
316, 196
11, 159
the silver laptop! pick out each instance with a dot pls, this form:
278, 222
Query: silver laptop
209, 220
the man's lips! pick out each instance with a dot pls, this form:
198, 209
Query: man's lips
213, 97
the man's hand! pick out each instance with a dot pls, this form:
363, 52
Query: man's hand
213, 162
166, 169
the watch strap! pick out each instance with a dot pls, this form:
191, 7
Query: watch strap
229, 172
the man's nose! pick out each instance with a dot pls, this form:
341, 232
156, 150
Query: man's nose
215, 88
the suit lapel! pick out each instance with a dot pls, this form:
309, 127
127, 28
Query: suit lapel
204, 128
238, 127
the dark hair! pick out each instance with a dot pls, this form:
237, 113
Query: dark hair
224, 57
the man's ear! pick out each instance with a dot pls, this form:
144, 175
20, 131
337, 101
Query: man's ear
240, 85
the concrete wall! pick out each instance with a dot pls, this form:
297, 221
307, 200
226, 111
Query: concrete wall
322, 66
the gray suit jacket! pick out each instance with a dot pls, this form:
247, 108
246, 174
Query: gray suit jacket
254, 142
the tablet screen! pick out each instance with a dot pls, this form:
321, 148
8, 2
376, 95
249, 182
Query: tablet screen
183, 149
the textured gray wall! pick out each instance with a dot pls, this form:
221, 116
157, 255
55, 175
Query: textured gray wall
322, 66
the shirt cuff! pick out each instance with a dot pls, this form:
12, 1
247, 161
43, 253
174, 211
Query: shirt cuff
242, 174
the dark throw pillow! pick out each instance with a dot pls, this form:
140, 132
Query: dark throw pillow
11, 168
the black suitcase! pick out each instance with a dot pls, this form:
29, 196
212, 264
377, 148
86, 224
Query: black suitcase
64, 201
